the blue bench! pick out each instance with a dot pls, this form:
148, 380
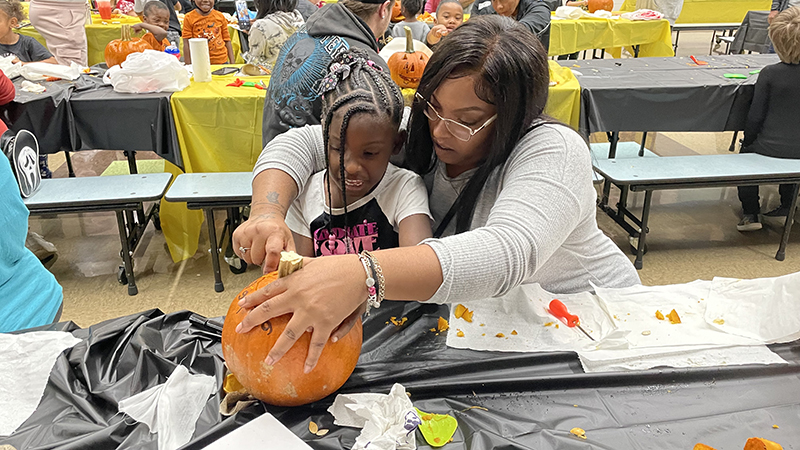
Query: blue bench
210, 191
123, 194
689, 172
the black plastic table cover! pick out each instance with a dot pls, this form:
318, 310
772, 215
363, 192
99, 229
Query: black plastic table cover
532, 400
85, 114
667, 94
752, 33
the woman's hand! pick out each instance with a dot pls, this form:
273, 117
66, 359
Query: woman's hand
263, 237
326, 298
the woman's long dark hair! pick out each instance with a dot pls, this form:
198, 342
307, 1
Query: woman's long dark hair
266, 7
510, 69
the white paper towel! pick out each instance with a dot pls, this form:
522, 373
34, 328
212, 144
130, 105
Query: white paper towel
171, 409
765, 309
25, 363
201, 61
387, 421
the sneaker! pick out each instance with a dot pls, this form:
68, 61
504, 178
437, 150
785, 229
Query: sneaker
749, 222
781, 211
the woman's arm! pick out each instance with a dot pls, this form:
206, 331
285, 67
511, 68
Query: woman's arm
282, 170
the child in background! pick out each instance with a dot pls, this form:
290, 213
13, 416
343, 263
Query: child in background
25, 48
206, 22
411, 9
156, 22
361, 201
771, 128
449, 16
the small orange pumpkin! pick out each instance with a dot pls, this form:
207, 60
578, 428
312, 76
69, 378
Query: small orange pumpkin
596, 5
285, 383
397, 13
119, 49
406, 67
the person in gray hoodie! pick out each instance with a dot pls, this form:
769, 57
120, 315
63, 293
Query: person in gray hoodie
293, 98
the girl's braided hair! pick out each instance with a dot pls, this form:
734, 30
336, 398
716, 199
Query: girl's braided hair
355, 84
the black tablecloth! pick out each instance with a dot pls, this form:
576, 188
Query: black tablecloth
667, 94
85, 114
532, 399
752, 34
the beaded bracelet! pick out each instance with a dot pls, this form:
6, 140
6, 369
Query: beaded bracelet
372, 297
378, 274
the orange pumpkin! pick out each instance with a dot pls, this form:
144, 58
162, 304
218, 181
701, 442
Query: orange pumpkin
596, 5
406, 67
397, 13
284, 383
119, 49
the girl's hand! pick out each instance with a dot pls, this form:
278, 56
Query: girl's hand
264, 236
325, 297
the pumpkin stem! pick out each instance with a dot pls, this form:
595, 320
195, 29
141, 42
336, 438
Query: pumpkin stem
126, 32
290, 262
409, 40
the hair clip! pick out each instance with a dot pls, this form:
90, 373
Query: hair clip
372, 64
337, 72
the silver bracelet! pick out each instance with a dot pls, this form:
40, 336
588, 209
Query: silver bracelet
378, 272
372, 297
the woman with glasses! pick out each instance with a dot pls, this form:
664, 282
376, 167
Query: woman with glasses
510, 191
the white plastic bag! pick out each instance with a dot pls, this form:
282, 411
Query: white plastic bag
149, 71
38, 71
8, 67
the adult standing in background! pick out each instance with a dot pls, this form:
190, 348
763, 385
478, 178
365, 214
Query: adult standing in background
534, 14
780, 5
61, 24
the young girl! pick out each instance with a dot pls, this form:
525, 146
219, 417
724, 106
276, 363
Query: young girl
361, 201
410, 10
449, 16
771, 128
25, 48
275, 22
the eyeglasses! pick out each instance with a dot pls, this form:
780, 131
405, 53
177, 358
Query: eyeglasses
458, 130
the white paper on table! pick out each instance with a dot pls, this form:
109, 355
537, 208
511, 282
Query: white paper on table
262, 432
387, 421
765, 309
171, 409
524, 310
25, 363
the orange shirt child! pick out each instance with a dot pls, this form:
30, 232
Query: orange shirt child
211, 26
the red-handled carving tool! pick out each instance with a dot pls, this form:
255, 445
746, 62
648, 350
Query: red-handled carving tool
699, 63
558, 309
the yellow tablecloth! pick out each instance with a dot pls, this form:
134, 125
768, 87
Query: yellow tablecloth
100, 33
219, 130
654, 37
712, 11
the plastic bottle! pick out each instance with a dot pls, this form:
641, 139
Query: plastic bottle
173, 50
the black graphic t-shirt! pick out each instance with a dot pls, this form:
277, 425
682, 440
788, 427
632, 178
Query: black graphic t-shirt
372, 221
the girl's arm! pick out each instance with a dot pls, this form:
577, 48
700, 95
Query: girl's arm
304, 246
414, 229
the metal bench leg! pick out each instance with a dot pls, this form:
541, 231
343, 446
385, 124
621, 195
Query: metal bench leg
648, 195
644, 139
127, 254
612, 152
732, 148
212, 237
787, 226
70, 169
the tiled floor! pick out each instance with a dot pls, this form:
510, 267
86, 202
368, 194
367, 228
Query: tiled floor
693, 235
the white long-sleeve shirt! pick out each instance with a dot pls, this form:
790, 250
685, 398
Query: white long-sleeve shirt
534, 220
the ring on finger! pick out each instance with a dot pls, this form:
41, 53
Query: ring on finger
244, 250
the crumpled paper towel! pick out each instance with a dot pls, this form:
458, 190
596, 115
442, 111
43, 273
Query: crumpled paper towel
643, 14
25, 363
9, 68
387, 421
171, 409
764, 309
569, 12
38, 71
27, 86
